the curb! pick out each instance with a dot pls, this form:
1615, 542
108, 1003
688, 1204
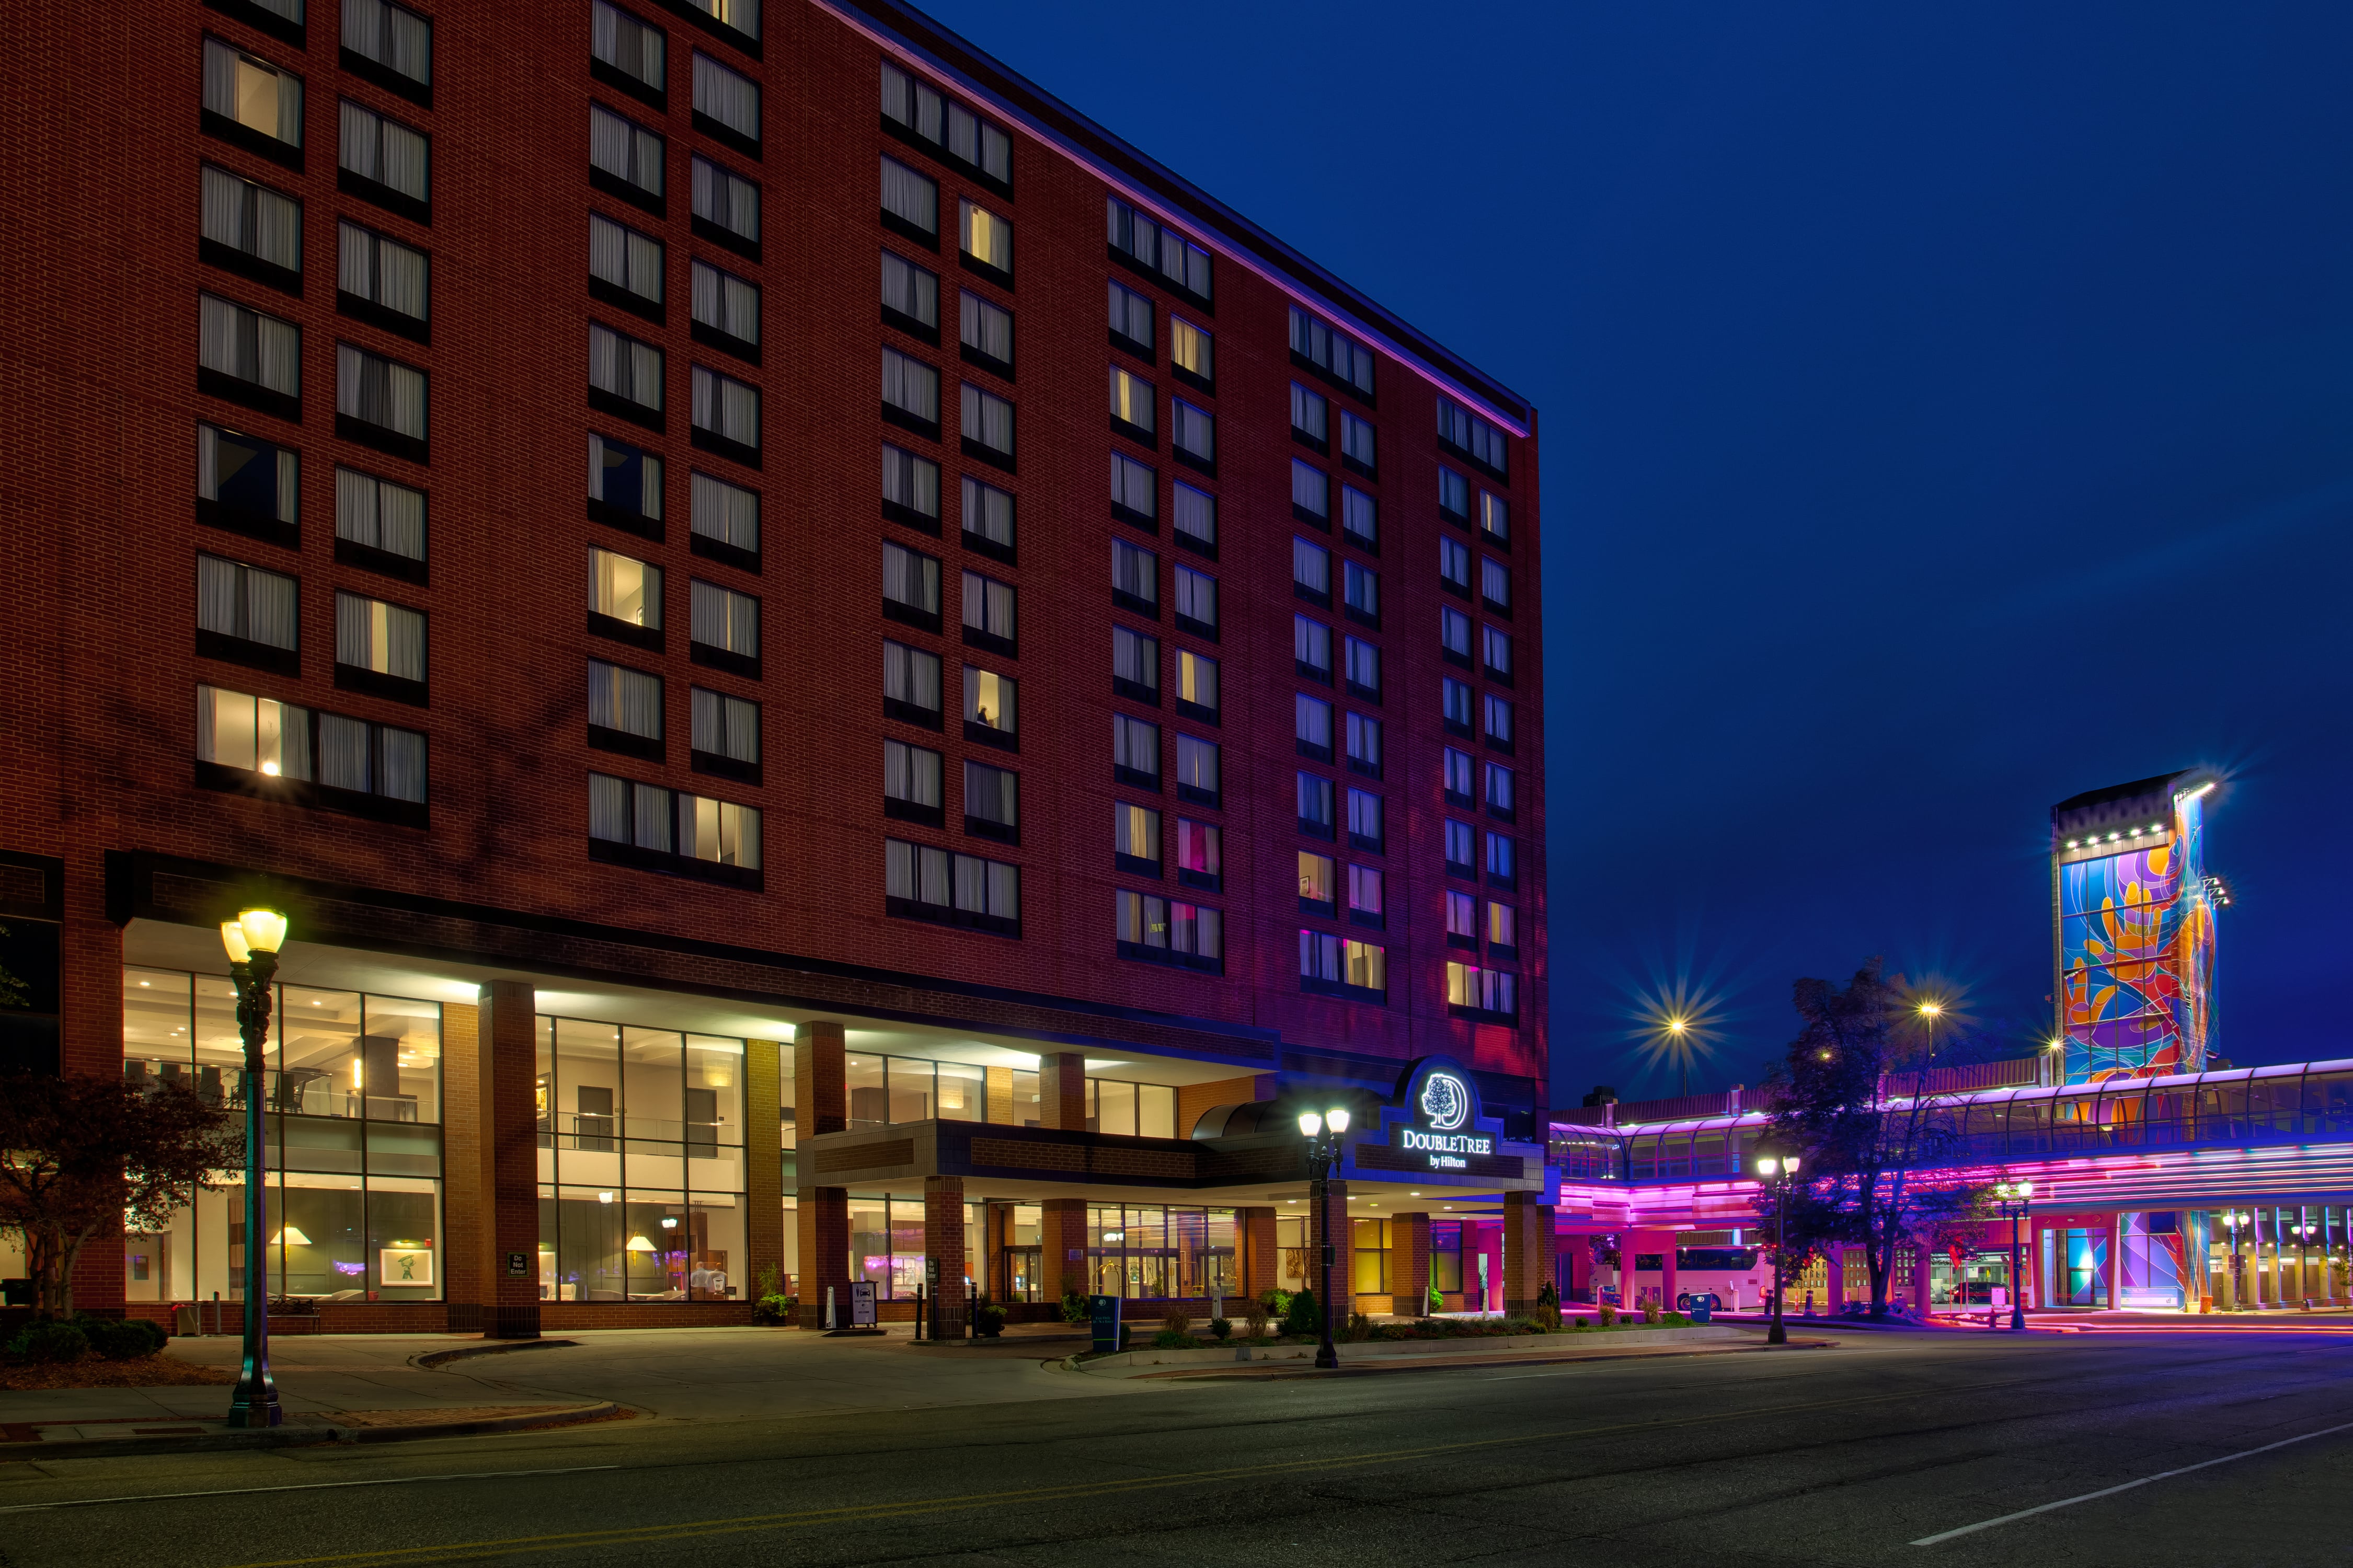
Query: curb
433, 1359
305, 1437
1291, 1372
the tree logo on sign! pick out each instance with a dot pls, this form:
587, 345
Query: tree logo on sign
1445, 1101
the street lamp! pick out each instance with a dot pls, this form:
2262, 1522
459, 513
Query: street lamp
2234, 1221
1676, 1026
1322, 1151
2304, 1229
1777, 1171
2014, 1197
253, 939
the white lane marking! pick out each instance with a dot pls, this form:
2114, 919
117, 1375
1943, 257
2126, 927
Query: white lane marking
302, 1487
2110, 1491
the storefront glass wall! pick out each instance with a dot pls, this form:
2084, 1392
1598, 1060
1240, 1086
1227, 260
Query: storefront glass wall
1153, 1252
882, 1089
886, 1245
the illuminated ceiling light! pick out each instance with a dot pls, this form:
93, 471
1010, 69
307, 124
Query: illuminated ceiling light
2074, 844
2201, 790
2114, 836
143, 985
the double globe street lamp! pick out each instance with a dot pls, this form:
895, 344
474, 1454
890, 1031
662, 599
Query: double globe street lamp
1321, 1151
253, 939
2013, 1198
1779, 1170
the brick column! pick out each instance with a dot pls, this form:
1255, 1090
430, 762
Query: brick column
820, 1105
1409, 1265
1527, 1226
508, 1071
1332, 1223
90, 1042
1921, 1253
1062, 1247
943, 1244
1254, 1236
1062, 1091
764, 1169
466, 1271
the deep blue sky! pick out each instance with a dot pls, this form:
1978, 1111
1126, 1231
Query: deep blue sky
1943, 414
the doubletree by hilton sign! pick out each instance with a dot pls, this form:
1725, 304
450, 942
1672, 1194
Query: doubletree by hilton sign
1433, 1123
1446, 1102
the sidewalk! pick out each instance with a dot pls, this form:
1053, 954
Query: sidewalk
1358, 1358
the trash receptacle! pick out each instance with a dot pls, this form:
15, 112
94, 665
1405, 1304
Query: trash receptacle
1701, 1309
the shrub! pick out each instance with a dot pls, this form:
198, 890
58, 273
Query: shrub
1256, 1318
989, 1320
1609, 1315
1173, 1340
1223, 1328
1436, 1302
1583, 1323
1675, 1320
1650, 1312
1177, 1323
125, 1338
775, 1309
50, 1340
1360, 1327
1074, 1306
1300, 1316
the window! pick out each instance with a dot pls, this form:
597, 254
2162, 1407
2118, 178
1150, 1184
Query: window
1134, 666
383, 281
390, 164
725, 626
1317, 342
1197, 686
911, 296
726, 207
1197, 770
911, 588
380, 402
911, 393
738, 16
1499, 720
917, 112
1356, 444
927, 884
1488, 991
911, 489
250, 485
241, 604
251, 102
1495, 584
1311, 571
1461, 920
1453, 496
1360, 519
911, 684
992, 709
1461, 855
379, 515
637, 54
992, 803
1192, 353
727, 516
726, 735
1499, 789
1134, 578
726, 105
1131, 321
624, 485
989, 613
1197, 854
1141, 241
1503, 929
1341, 966
1366, 897
625, 159
624, 706
1134, 752
988, 520
1197, 519
911, 203
1168, 931
627, 373
1502, 860
911, 783
1311, 649
1495, 518
725, 414
1135, 491
1364, 669
985, 334
1316, 808
1364, 745
370, 760
1135, 838
1454, 704
392, 38
986, 240
1366, 827
1311, 494
1472, 436
628, 264
1132, 407
624, 589
1496, 645
379, 648
1310, 418
686, 835
1192, 434
1363, 586
1454, 636
1319, 892
1196, 601
1458, 777
1453, 567
1312, 727
254, 735
726, 309
987, 426
248, 357
251, 229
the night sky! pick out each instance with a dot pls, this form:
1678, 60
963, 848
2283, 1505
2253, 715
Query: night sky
1942, 416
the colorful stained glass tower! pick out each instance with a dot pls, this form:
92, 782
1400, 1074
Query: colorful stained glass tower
2133, 929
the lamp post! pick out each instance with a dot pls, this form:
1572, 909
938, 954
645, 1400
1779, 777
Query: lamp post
253, 939
2013, 1198
1323, 1135
2303, 1229
1675, 1029
2234, 1220
1777, 1171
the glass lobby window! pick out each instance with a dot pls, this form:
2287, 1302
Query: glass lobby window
862, 1091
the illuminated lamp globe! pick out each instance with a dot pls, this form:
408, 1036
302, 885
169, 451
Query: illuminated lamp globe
1309, 1125
1336, 1118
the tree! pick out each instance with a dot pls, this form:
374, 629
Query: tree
1859, 1152
80, 1155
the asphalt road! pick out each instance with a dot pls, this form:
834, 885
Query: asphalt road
1824, 1457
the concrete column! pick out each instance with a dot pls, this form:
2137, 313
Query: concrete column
820, 1105
943, 1245
1063, 1091
1331, 1225
1254, 1236
466, 1269
507, 1064
1409, 1265
764, 1169
1062, 1247
90, 1042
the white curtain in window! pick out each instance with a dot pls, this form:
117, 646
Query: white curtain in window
391, 36
911, 676
1130, 315
650, 817
623, 150
270, 614
989, 512
1312, 721
910, 197
1192, 430
1197, 680
1135, 573
609, 808
910, 386
910, 289
723, 198
1134, 486
344, 752
991, 698
911, 579
378, 392
402, 772
988, 329
986, 236
726, 407
219, 597
1358, 514
988, 605
732, 99
625, 367
252, 218
1309, 413
1197, 763
620, 40
725, 302
1197, 513
726, 513
724, 620
626, 700
249, 346
1311, 643
1197, 597
1311, 566
992, 794
1310, 489
1136, 744
911, 482
220, 78
987, 419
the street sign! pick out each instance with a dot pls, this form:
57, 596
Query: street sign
518, 1265
861, 1304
